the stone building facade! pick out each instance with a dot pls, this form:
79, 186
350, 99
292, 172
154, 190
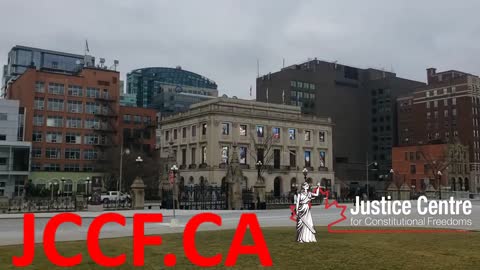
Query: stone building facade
202, 140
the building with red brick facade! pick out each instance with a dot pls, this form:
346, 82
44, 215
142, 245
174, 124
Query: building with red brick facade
71, 120
443, 165
446, 110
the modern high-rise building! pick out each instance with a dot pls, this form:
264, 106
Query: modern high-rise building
14, 152
169, 90
446, 110
361, 103
72, 120
20, 58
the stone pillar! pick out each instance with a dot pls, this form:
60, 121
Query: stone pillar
138, 193
392, 190
405, 192
260, 194
4, 204
431, 192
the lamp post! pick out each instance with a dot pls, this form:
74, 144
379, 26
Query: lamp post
174, 170
305, 173
88, 185
50, 184
119, 184
259, 168
366, 167
439, 173
63, 187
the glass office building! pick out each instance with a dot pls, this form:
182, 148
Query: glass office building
169, 90
21, 57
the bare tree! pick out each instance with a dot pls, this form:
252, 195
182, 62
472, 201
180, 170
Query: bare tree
434, 164
263, 150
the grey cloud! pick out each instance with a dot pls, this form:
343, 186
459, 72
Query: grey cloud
223, 39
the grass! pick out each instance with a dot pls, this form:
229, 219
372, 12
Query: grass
332, 251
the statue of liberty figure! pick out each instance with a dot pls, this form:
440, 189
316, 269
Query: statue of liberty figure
305, 231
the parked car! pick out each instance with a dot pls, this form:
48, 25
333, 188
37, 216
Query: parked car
111, 196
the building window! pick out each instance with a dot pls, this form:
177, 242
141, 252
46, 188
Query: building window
167, 135
321, 136
36, 167
291, 133
204, 154
454, 112
445, 113
175, 134
276, 133
184, 156
147, 120
435, 114
54, 137
37, 152
3, 137
72, 153
92, 123
413, 169
39, 87
193, 155
137, 119
51, 167
243, 130
428, 115
91, 139
225, 128
307, 157
445, 102
93, 92
56, 88
435, 103
194, 131
225, 154
90, 154
126, 118
204, 129
92, 108
293, 158
74, 106
243, 155
261, 155
260, 131
53, 153
3, 116
75, 90
55, 104
37, 136
308, 134
73, 138
38, 120
323, 161
427, 104
454, 101
71, 168
74, 122
39, 103
184, 132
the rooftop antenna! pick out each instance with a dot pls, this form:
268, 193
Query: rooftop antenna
87, 52
283, 63
335, 63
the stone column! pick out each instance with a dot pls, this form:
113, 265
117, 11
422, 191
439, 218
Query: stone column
405, 192
138, 193
260, 194
393, 191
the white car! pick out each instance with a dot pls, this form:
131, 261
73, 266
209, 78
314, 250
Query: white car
111, 196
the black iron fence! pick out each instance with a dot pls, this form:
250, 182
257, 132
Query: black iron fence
198, 197
59, 204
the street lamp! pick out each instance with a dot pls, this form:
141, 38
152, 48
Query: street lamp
87, 183
305, 173
119, 184
174, 170
375, 164
439, 173
63, 187
259, 168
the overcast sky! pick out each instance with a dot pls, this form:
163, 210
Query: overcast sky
223, 39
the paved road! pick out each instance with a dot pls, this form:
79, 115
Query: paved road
11, 226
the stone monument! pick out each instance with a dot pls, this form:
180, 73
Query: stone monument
95, 204
234, 180
393, 191
138, 193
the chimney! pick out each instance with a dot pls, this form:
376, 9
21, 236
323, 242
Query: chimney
431, 73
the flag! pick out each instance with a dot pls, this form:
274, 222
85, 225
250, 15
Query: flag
266, 94
250, 90
86, 46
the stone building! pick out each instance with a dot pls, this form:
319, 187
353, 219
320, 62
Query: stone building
285, 141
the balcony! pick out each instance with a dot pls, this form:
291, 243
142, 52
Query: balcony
192, 166
323, 169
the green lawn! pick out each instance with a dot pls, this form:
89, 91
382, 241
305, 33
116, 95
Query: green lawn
333, 251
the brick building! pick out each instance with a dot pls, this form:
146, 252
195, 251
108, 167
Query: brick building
71, 120
435, 164
446, 110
